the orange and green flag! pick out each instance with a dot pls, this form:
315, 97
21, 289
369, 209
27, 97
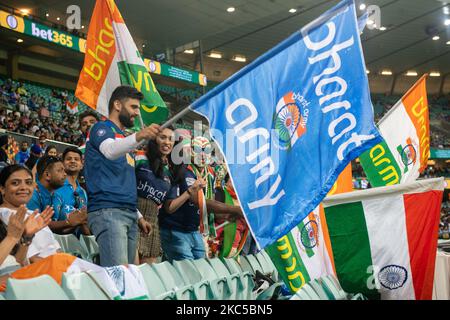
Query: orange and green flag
112, 59
405, 149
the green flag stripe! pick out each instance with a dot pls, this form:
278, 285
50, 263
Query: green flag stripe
286, 258
351, 248
380, 166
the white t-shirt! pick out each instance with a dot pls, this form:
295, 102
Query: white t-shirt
43, 244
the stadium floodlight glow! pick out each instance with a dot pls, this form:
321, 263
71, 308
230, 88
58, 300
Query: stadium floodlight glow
239, 58
293, 10
143, 46
215, 55
82, 27
386, 73
231, 9
448, 43
435, 74
411, 74
47, 14
58, 18
19, 40
25, 11
435, 38
362, 6
189, 51
446, 10
447, 22
383, 28
367, 71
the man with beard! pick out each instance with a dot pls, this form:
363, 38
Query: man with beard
74, 197
51, 176
111, 180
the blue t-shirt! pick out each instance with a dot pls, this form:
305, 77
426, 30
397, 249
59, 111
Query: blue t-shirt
42, 198
109, 183
149, 186
22, 157
69, 200
187, 217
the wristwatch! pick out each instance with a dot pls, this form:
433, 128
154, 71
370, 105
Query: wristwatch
26, 240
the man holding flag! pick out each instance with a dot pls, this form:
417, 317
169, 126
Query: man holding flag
115, 82
111, 181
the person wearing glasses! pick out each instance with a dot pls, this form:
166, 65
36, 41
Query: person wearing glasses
74, 197
51, 176
111, 181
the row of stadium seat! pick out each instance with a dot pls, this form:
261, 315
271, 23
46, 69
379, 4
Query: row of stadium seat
203, 279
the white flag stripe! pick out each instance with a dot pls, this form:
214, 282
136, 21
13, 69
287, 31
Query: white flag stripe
386, 228
380, 192
396, 129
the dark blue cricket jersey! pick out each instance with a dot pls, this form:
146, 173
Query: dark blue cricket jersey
109, 183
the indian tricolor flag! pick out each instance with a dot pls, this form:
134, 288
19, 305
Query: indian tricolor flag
304, 253
72, 108
404, 153
384, 240
112, 59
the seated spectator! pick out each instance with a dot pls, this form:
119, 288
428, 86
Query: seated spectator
16, 185
73, 196
13, 98
51, 176
23, 108
21, 90
32, 103
23, 155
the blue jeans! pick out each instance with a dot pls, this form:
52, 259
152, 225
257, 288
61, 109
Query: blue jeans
116, 232
179, 245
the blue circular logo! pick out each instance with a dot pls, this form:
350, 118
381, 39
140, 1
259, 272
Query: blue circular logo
393, 277
12, 21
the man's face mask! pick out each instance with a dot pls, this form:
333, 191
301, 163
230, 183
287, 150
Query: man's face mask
201, 151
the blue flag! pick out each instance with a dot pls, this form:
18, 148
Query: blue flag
299, 113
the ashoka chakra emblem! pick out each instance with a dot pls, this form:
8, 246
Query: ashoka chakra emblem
393, 277
309, 234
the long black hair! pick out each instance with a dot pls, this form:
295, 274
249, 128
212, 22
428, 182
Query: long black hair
156, 164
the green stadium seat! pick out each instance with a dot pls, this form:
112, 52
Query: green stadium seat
267, 265
80, 286
333, 284
71, 245
311, 292
241, 285
221, 285
39, 288
155, 285
317, 287
173, 281
246, 277
191, 276
91, 246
